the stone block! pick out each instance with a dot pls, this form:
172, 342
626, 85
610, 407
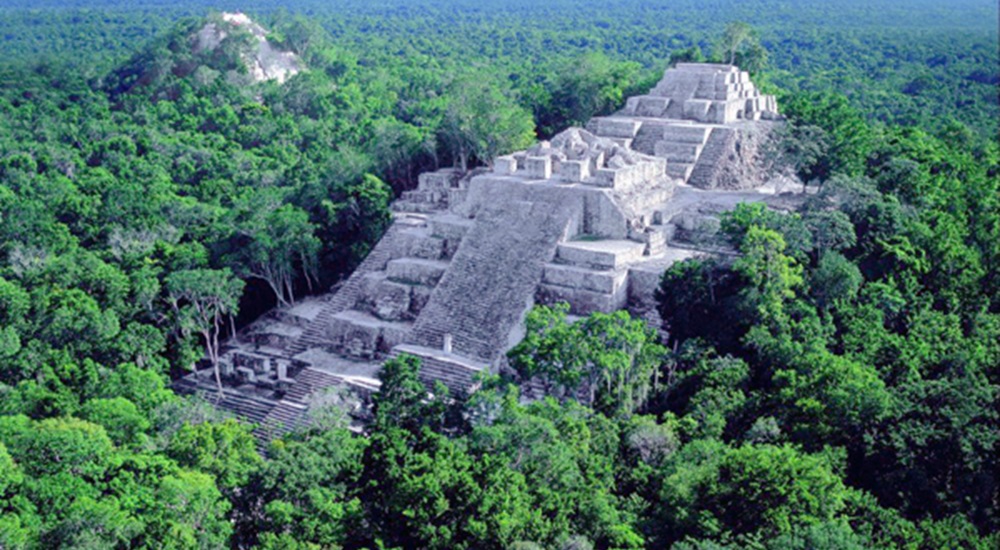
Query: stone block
505, 166
679, 170
247, 375
649, 106
686, 133
419, 243
252, 361
604, 177
697, 109
449, 228
601, 255
440, 180
360, 335
360, 342
415, 271
574, 171
617, 127
538, 168
729, 111
597, 161
677, 152
582, 302
419, 297
606, 281
632, 105
392, 302
457, 197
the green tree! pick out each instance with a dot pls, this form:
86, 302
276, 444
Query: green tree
585, 87
202, 299
226, 450
306, 490
481, 121
612, 357
739, 45
733, 38
713, 492
273, 241
772, 276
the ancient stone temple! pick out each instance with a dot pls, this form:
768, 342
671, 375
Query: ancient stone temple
592, 218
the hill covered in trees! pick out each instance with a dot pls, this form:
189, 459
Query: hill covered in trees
833, 387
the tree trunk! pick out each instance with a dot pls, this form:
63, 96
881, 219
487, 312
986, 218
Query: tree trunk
211, 345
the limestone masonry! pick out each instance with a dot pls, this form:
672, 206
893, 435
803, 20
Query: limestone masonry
592, 218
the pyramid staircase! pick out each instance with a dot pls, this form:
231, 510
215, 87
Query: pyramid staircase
679, 142
376, 308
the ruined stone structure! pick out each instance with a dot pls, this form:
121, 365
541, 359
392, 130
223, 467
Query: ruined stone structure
264, 61
592, 218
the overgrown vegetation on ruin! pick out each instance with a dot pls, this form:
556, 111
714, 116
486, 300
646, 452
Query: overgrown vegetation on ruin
834, 387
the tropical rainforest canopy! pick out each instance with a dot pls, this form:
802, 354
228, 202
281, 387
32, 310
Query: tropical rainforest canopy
835, 386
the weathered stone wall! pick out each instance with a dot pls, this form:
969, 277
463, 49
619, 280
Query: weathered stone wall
740, 156
592, 210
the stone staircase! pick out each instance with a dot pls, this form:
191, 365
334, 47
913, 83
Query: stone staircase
283, 418
346, 296
454, 371
289, 413
376, 308
492, 279
250, 408
710, 162
679, 142
682, 144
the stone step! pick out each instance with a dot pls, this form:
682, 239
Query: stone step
310, 381
416, 271
458, 373
449, 226
451, 229
420, 242
417, 207
601, 254
647, 106
652, 106
247, 408
301, 314
675, 151
278, 335
680, 170
492, 277
315, 333
686, 133
366, 386
571, 276
283, 418
615, 127
364, 336
581, 301
347, 294
657, 237
391, 300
